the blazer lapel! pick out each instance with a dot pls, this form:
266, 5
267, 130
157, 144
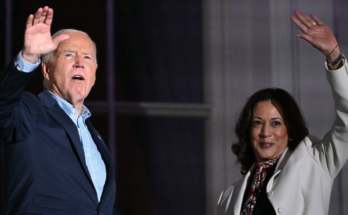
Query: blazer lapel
63, 119
280, 165
239, 201
272, 182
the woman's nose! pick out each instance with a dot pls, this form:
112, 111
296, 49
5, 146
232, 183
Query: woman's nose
265, 131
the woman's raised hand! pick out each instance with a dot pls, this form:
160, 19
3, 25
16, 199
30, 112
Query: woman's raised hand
317, 34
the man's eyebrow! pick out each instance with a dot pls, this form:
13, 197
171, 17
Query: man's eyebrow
68, 50
72, 51
87, 53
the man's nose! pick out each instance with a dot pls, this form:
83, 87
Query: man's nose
78, 62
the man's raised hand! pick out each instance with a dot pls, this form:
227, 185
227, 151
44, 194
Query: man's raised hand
37, 38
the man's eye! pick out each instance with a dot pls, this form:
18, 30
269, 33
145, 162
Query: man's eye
68, 55
87, 57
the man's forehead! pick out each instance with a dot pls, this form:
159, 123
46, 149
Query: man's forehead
77, 38
80, 44
74, 43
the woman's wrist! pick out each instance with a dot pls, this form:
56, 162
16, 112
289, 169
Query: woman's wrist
332, 56
334, 64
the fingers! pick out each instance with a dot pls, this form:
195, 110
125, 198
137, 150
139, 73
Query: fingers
60, 39
310, 21
42, 15
305, 22
304, 19
30, 21
317, 19
299, 24
306, 37
49, 17
37, 16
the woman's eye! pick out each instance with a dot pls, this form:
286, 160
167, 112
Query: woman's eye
276, 123
256, 123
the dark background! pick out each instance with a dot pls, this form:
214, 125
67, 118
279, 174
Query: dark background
158, 58
175, 163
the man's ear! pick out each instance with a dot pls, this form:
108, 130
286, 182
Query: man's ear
45, 70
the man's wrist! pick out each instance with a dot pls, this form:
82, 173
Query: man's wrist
24, 66
30, 58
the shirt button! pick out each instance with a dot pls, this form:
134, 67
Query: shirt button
280, 210
18, 68
270, 193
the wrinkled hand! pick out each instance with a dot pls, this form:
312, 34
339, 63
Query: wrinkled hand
37, 37
317, 34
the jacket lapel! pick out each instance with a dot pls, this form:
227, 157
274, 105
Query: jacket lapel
56, 112
239, 201
280, 165
272, 182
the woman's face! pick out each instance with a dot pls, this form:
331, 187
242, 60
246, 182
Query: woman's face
268, 133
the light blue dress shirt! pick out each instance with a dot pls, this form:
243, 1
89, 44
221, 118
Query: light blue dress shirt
94, 161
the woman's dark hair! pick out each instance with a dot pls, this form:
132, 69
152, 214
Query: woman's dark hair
292, 116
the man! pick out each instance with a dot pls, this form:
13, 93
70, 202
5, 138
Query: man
55, 162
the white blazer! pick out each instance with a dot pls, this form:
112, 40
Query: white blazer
303, 178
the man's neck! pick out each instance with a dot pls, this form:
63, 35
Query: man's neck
77, 104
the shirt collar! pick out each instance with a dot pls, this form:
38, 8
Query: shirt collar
70, 110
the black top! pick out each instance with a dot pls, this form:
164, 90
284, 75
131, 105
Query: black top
263, 205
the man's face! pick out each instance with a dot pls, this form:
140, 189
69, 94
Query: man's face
71, 73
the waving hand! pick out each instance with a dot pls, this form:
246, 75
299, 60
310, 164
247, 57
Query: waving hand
317, 34
37, 37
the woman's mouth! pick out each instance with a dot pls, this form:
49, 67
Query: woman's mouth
266, 145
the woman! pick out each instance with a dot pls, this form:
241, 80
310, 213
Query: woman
285, 170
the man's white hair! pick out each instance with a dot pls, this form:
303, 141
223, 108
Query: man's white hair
49, 56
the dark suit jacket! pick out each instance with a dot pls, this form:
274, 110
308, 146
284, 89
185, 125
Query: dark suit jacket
44, 170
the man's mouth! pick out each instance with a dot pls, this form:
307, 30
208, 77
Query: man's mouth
78, 77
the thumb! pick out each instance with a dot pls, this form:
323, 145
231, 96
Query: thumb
306, 37
60, 39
